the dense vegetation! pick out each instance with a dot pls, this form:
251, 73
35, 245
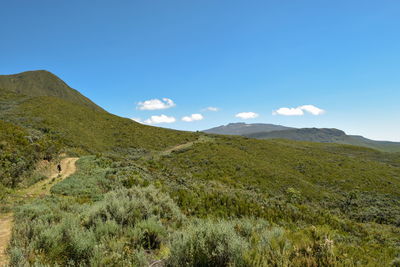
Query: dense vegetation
19, 151
116, 212
152, 195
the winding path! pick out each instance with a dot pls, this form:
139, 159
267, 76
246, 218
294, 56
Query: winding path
39, 189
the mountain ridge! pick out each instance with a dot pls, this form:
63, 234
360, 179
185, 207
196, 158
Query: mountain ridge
240, 128
321, 135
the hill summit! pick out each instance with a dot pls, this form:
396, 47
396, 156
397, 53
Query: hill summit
44, 83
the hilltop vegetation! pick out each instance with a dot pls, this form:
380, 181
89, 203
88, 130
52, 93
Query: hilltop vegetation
147, 194
44, 83
74, 121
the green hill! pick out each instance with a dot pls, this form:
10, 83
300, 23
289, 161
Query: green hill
43, 83
47, 104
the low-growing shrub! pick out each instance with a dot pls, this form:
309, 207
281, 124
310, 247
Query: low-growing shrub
149, 234
207, 243
129, 206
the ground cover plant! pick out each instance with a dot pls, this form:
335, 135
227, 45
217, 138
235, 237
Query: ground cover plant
122, 213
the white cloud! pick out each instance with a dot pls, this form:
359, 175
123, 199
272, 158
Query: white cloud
155, 104
289, 112
214, 109
313, 110
160, 119
299, 111
193, 117
246, 115
139, 120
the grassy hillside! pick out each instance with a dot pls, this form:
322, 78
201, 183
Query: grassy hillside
326, 136
43, 83
96, 131
153, 195
318, 172
34, 126
75, 121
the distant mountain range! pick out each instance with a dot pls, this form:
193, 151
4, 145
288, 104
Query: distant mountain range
242, 128
321, 135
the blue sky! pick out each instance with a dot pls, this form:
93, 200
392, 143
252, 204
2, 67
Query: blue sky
342, 57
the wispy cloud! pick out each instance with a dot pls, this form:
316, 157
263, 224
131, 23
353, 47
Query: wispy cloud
156, 104
193, 117
299, 111
246, 115
160, 119
214, 109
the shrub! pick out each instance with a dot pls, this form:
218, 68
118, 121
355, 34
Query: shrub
149, 234
207, 243
270, 248
129, 206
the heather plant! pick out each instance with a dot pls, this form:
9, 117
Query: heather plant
129, 206
207, 243
270, 248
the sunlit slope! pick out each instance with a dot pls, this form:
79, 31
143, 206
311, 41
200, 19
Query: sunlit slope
272, 166
39, 100
43, 83
81, 126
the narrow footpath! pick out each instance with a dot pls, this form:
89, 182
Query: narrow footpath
39, 189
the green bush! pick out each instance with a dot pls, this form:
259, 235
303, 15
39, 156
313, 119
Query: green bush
130, 206
207, 243
271, 248
149, 234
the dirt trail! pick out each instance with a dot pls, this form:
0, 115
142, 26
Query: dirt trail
42, 188
39, 189
6, 221
201, 139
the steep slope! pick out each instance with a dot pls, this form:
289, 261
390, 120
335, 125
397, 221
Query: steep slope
43, 83
242, 128
327, 136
